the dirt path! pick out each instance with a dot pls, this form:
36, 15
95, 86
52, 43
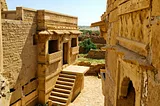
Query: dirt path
91, 95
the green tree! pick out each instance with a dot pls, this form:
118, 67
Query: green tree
87, 44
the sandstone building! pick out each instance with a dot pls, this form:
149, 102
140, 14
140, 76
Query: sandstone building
35, 46
132, 74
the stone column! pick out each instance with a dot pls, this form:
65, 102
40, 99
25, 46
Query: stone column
42, 68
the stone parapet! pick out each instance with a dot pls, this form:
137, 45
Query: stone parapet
75, 50
53, 20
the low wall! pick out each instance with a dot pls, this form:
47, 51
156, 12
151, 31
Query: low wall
94, 69
99, 46
96, 54
94, 39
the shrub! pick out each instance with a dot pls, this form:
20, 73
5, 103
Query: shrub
87, 44
97, 33
85, 32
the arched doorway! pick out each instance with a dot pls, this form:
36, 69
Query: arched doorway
127, 95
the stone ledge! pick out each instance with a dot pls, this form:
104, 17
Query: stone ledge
131, 57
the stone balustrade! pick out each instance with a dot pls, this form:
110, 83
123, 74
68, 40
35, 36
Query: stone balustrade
75, 50
57, 56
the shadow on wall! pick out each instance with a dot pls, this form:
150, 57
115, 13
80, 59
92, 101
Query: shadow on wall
20, 68
127, 97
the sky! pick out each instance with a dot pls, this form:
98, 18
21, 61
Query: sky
87, 11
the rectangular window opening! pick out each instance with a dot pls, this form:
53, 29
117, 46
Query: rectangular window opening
74, 42
52, 46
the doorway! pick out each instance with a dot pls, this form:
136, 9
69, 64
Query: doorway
128, 98
65, 53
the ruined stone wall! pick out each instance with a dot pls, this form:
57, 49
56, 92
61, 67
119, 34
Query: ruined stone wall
20, 56
94, 38
132, 51
96, 54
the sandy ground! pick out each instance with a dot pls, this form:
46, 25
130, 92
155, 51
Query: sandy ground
91, 95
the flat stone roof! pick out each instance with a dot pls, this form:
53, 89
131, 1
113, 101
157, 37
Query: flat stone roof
76, 69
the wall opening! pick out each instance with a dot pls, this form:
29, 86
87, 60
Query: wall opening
65, 53
127, 97
52, 46
34, 39
74, 42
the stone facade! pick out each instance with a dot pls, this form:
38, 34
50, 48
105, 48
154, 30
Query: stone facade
63, 36
37, 44
130, 28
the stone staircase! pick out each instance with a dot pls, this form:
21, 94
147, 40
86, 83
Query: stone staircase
62, 92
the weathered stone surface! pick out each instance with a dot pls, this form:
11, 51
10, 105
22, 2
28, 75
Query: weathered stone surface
153, 93
96, 54
28, 66
4, 6
132, 53
45, 20
19, 52
94, 39
55, 48
94, 69
156, 44
155, 8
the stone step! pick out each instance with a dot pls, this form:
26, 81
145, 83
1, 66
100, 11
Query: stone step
65, 83
68, 72
56, 103
54, 93
66, 79
67, 75
63, 86
62, 90
58, 99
